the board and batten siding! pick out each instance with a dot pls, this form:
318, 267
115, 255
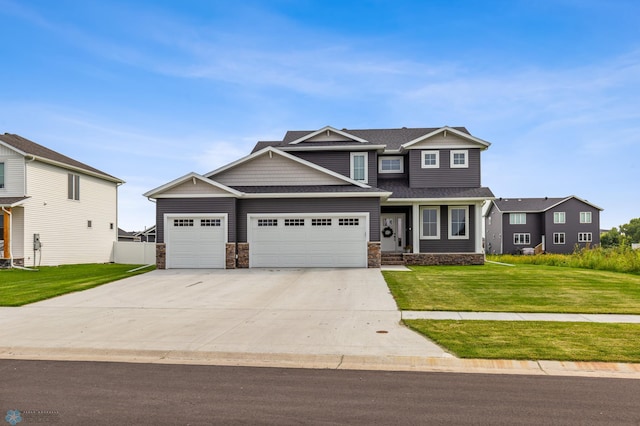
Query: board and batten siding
446, 245
14, 168
444, 176
310, 205
274, 171
340, 162
63, 223
194, 206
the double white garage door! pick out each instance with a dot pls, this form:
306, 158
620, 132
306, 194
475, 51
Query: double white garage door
280, 240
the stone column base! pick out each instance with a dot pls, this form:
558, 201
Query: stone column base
230, 259
243, 255
373, 254
161, 256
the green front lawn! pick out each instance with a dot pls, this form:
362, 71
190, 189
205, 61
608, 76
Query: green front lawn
19, 287
534, 340
520, 288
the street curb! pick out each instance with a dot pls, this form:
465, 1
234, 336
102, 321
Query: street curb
330, 361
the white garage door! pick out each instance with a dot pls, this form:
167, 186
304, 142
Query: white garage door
196, 241
308, 241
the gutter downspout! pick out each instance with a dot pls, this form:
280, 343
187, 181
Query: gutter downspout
7, 212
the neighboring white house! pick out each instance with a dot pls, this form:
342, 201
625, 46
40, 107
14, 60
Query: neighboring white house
54, 210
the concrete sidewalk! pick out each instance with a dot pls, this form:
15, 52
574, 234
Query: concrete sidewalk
514, 316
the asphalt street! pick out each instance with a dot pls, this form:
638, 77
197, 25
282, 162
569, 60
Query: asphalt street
80, 393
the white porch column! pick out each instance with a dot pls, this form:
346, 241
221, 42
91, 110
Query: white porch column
415, 226
479, 226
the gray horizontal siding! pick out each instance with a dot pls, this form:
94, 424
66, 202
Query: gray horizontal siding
340, 162
310, 205
572, 227
534, 227
444, 176
194, 206
444, 244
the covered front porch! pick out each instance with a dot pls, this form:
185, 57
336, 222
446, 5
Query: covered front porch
432, 232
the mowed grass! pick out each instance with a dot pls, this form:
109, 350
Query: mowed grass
519, 288
534, 340
19, 287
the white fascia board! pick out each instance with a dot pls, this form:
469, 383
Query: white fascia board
271, 150
448, 201
17, 203
319, 195
333, 148
76, 169
577, 198
324, 129
14, 149
157, 192
463, 135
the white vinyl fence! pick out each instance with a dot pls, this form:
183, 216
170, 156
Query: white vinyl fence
130, 253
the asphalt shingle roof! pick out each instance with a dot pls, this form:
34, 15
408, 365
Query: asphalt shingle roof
9, 201
294, 189
35, 149
391, 138
526, 204
400, 189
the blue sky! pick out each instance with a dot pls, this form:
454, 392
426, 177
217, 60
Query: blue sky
151, 90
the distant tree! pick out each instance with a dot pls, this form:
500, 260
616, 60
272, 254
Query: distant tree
610, 238
632, 230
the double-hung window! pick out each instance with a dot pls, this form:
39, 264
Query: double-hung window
73, 186
430, 223
458, 222
360, 166
430, 159
559, 217
585, 217
459, 159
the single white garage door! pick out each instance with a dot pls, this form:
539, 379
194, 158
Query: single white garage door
196, 242
308, 241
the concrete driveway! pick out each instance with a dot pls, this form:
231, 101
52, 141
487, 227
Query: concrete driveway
199, 312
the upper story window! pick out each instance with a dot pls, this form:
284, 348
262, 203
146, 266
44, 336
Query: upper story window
430, 159
559, 217
73, 188
1, 175
517, 218
459, 159
585, 217
360, 166
391, 165
458, 220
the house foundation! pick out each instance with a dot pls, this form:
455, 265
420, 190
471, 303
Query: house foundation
432, 259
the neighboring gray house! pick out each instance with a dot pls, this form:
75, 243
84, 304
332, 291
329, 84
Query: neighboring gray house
328, 198
553, 225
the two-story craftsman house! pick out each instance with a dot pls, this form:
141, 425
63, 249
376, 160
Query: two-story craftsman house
328, 198
53, 209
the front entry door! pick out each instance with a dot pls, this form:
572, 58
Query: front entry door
392, 232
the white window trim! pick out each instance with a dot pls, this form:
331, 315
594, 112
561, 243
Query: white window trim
430, 166
564, 217
425, 237
391, 157
585, 215
519, 214
466, 221
527, 237
466, 159
589, 236
366, 166
564, 238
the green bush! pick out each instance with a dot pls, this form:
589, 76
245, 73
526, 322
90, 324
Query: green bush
615, 259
